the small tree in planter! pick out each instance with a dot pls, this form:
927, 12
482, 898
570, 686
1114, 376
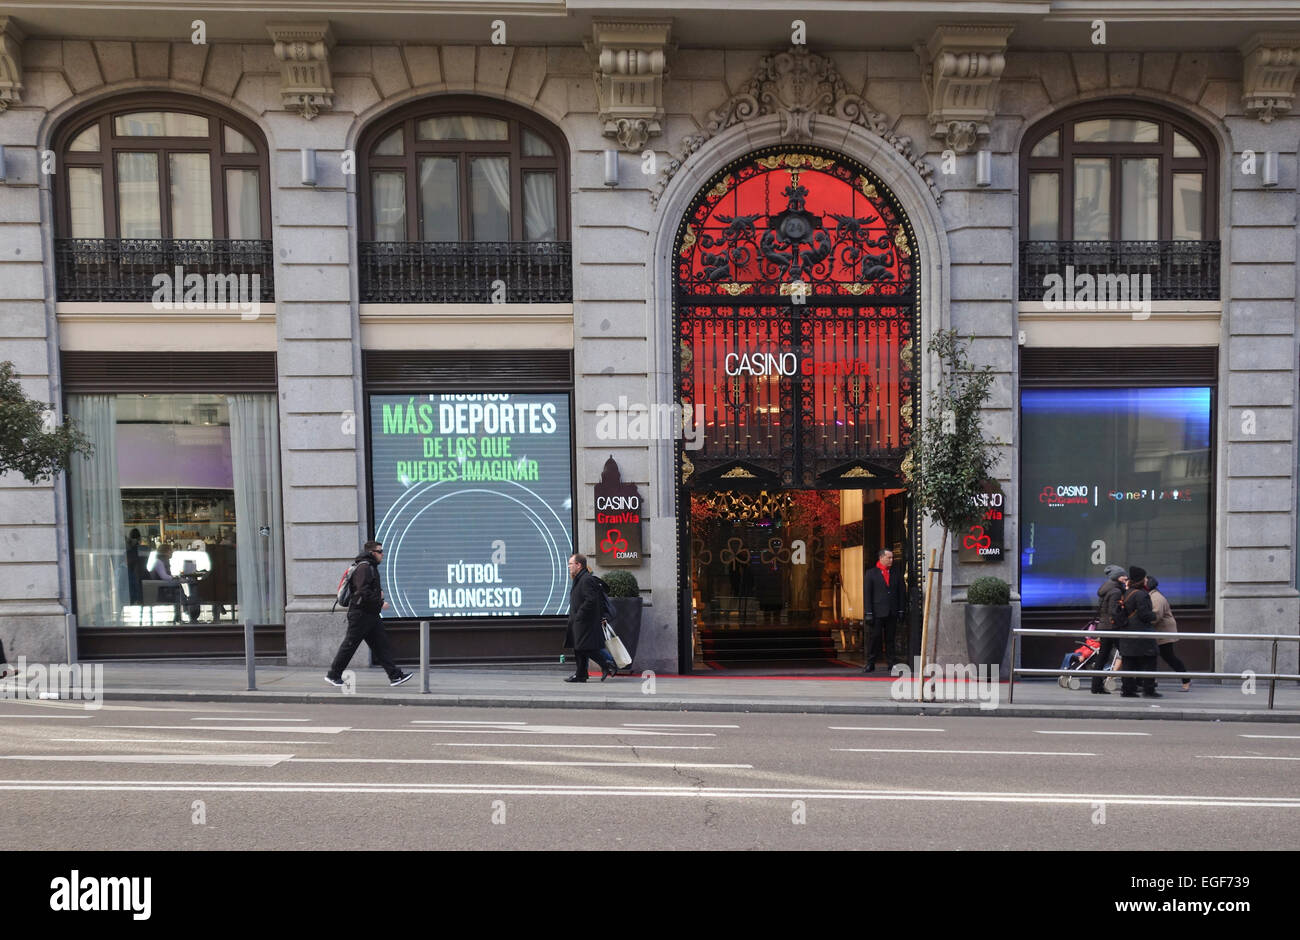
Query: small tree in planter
951, 457
988, 620
626, 596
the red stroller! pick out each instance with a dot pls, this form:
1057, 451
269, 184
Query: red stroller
1083, 658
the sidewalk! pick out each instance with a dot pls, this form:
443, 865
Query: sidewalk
521, 687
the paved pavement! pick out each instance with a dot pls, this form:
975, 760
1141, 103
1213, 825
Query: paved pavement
524, 687
221, 776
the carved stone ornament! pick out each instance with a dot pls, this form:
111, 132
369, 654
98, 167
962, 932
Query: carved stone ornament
631, 61
798, 86
11, 63
960, 67
1269, 67
304, 53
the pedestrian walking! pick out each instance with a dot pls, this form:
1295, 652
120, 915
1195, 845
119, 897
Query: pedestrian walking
1166, 623
6, 670
1108, 595
584, 634
1139, 652
883, 605
364, 620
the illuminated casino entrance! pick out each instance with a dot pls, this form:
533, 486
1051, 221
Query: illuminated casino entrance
795, 309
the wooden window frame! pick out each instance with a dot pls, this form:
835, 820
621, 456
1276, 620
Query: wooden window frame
1163, 149
105, 160
406, 118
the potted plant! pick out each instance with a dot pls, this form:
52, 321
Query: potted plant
988, 620
626, 596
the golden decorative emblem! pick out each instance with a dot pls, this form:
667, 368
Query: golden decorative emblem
868, 188
687, 354
722, 187
856, 288
794, 160
788, 289
738, 473
900, 239
858, 472
733, 288
905, 354
907, 465
906, 412
687, 468
688, 240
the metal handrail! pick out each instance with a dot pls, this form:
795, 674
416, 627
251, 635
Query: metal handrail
1272, 675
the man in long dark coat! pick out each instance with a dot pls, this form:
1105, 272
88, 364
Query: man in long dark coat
584, 633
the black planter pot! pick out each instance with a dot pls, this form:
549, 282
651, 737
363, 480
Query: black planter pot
988, 627
627, 623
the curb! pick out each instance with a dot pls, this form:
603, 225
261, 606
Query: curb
658, 703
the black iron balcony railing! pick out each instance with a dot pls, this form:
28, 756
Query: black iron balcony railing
1178, 270
128, 269
466, 272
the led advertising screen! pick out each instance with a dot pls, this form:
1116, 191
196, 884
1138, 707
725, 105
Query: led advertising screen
1114, 476
473, 502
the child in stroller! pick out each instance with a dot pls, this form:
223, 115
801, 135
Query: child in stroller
1082, 659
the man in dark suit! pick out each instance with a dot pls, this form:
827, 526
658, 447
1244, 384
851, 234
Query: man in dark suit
882, 603
584, 633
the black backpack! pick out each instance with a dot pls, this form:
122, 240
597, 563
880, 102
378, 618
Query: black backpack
1123, 611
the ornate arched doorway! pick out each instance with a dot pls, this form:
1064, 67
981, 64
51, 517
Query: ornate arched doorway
795, 310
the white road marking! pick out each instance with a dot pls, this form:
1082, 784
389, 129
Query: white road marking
1283, 737
639, 747
244, 728
426, 721
855, 728
250, 719
542, 729
901, 750
238, 760
3, 717
648, 725
178, 741
1139, 734
657, 792
1241, 757
507, 763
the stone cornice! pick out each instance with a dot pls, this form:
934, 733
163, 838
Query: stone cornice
303, 49
1270, 62
11, 62
960, 68
631, 62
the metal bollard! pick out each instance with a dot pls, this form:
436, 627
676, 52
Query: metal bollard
1272, 683
424, 656
1015, 655
70, 630
250, 656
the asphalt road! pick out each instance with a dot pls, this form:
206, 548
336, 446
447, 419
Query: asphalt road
176, 777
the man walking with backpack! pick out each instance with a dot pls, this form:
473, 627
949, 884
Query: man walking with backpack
364, 604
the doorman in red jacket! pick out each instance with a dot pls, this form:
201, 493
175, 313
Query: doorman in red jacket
883, 603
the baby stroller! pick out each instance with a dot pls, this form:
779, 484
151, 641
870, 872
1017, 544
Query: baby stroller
1082, 659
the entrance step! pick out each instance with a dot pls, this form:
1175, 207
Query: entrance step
774, 644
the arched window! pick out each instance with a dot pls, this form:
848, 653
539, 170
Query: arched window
1118, 171
464, 200
1120, 189
162, 167
463, 169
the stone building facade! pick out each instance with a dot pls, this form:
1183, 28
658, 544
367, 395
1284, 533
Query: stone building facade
938, 109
